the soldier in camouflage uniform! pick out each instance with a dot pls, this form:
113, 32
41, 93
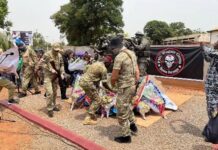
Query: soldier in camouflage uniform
50, 76
211, 83
90, 81
6, 83
29, 62
140, 45
125, 74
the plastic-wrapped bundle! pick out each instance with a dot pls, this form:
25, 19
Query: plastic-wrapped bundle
152, 98
78, 94
142, 108
78, 64
167, 102
109, 101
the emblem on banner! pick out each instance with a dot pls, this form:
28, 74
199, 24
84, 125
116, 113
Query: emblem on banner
169, 62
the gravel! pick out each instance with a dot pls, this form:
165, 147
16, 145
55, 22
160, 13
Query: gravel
182, 130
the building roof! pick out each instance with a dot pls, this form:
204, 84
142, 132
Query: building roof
215, 29
183, 37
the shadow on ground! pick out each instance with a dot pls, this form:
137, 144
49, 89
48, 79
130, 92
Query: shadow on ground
183, 127
80, 116
113, 129
201, 147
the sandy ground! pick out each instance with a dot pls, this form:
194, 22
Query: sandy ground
24, 135
182, 129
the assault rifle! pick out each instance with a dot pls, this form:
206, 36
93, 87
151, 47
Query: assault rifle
58, 72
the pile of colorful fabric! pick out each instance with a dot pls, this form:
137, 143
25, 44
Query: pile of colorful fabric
148, 97
80, 100
151, 98
77, 94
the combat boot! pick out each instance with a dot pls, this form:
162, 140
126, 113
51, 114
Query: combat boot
50, 113
89, 121
64, 98
133, 128
56, 109
13, 101
123, 139
37, 92
22, 95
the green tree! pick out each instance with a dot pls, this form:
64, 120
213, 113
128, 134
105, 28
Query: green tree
5, 43
179, 29
3, 13
39, 41
157, 31
84, 21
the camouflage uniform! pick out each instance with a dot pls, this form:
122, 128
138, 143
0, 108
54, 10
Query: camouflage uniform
211, 83
29, 62
50, 83
126, 88
90, 81
142, 52
4, 82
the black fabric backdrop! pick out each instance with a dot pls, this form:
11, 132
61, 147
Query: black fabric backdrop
182, 62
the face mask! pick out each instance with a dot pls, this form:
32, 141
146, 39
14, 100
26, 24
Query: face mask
116, 51
139, 39
22, 49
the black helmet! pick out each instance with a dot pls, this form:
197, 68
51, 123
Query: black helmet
138, 33
116, 42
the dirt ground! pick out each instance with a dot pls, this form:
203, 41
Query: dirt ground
24, 135
185, 134
12, 134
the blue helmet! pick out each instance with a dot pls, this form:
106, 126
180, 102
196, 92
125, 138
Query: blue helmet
20, 44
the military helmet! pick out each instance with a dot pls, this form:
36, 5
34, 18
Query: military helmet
21, 45
56, 46
120, 35
138, 33
116, 42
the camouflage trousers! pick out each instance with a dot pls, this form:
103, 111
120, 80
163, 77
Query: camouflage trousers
51, 92
125, 114
92, 92
9, 85
29, 76
142, 68
212, 102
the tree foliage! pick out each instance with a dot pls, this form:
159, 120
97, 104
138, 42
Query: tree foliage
3, 13
157, 31
179, 29
39, 42
5, 42
84, 21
